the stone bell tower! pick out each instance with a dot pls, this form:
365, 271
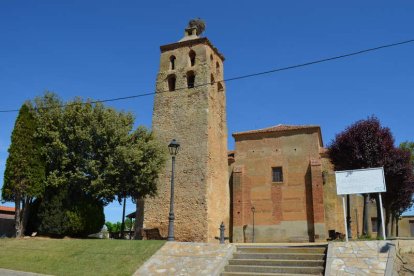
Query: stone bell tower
190, 106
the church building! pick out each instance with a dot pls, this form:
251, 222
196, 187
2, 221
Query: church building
276, 186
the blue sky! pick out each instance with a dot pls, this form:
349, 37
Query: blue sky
106, 49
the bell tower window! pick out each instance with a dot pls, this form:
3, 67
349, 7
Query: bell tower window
171, 82
172, 62
217, 67
211, 79
192, 56
190, 79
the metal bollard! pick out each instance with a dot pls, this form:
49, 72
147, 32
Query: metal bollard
222, 238
222, 233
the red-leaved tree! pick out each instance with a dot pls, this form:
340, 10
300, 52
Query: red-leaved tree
366, 144
400, 184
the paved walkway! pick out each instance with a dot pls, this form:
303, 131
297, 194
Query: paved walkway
358, 258
187, 258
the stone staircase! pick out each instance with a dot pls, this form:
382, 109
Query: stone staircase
270, 260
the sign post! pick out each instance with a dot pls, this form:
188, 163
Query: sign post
346, 226
363, 181
382, 216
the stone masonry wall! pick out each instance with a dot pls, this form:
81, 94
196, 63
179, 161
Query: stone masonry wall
196, 118
218, 194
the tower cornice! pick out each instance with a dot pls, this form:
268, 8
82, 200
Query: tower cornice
189, 43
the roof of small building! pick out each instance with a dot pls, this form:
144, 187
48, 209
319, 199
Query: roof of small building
281, 128
7, 209
276, 128
131, 215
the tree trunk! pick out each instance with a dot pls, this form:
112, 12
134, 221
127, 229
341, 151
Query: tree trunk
393, 225
365, 216
130, 228
139, 218
396, 225
25, 210
380, 234
123, 218
387, 222
17, 217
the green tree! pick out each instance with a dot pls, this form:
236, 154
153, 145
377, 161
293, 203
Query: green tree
24, 176
113, 227
408, 146
81, 144
81, 140
129, 224
94, 150
139, 163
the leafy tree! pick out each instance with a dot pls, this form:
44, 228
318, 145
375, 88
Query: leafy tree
117, 226
129, 224
91, 155
92, 151
139, 163
24, 176
400, 184
113, 227
82, 141
408, 146
366, 144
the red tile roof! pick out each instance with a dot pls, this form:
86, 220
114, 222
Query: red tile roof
282, 128
6, 209
276, 129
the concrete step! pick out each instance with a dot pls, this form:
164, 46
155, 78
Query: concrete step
290, 263
271, 269
260, 274
281, 249
282, 256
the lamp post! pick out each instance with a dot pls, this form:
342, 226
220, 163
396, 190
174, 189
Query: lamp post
173, 148
253, 210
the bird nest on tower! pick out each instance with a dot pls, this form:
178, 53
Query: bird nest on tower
197, 23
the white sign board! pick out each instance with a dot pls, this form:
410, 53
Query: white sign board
362, 181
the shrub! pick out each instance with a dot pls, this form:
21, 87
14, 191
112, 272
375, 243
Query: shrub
65, 213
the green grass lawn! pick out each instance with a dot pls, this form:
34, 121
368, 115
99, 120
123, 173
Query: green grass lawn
75, 256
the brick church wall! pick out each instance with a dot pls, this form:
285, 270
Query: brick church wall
291, 210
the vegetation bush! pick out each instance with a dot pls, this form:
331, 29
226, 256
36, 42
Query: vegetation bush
64, 213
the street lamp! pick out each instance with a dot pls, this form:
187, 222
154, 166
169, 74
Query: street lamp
253, 210
173, 148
